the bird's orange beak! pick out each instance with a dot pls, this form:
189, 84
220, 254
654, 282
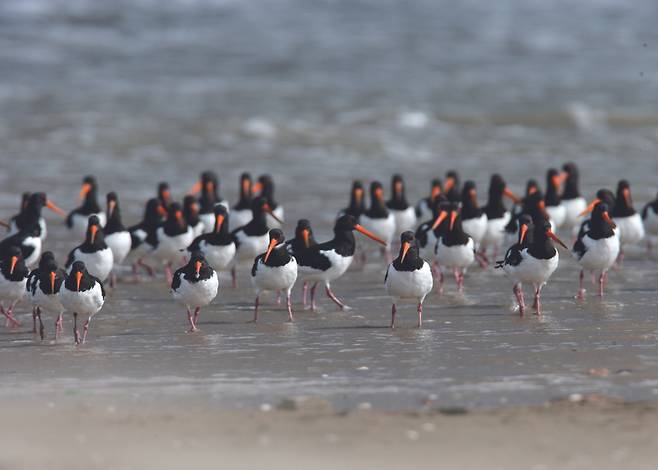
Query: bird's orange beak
405, 248
218, 222
516, 199
453, 217
94, 231
270, 247
450, 183
532, 190
524, 232
369, 234
86, 187
436, 190
78, 279
257, 187
166, 195
111, 205
627, 196
607, 218
210, 186
194, 208
53, 277
440, 218
162, 211
358, 195
14, 260
379, 194
556, 181
51, 205
268, 209
179, 218
554, 237
590, 207
305, 235
196, 187
246, 186
474, 197
197, 267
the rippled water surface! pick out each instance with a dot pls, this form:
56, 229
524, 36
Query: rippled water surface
137, 92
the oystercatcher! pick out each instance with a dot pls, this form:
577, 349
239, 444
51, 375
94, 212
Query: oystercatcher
303, 240
43, 286
452, 186
28, 240
191, 214
30, 214
357, 202
430, 231
474, 220
403, 214
274, 270
326, 262
408, 277
378, 218
77, 218
650, 220
117, 237
265, 188
602, 195
82, 294
514, 258
572, 200
497, 215
171, 238
241, 212
455, 249
208, 184
93, 252
195, 285
13, 277
217, 247
597, 249
164, 194
556, 211
631, 229
424, 208
142, 235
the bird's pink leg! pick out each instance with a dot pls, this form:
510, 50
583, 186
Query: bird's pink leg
136, 277
482, 261
85, 330
460, 280
393, 311
420, 314
278, 297
10, 315
169, 275
34, 320
196, 315
601, 283
534, 303
313, 305
332, 296
148, 267
255, 319
305, 294
537, 302
190, 319
59, 325
113, 280
581, 289
76, 333
234, 278
518, 292
483, 256
289, 305
42, 330
439, 285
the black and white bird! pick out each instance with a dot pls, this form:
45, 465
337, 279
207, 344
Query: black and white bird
93, 252
208, 185
425, 206
455, 250
241, 212
274, 270
514, 257
474, 220
326, 262
13, 278
597, 249
378, 218
498, 216
143, 237
574, 203
218, 246
30, 214
403, 214
43, 285
28, 240
265, 187
602, 195
650, 220
82, 294
303, 240
171, 238
78, 218
195, 286
557, 213
117, 237
429, 232
629, 222
357, 202
191, 214
408, 277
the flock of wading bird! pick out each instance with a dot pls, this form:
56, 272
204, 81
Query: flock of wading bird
209, 236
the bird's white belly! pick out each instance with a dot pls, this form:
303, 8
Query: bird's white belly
404, 220
271, 223
536, 270
11, 291
84, 302
476, 228
98, 264
207, 222
198, 294
409, 284
383, 228
240, 218
631, 229
557, 214
339, 265
119, 243
268, 278
495, 233
427, 251
36, 243
459, 256
601, 254
170, 249
50, 303
572, 210
219, 257
251, 246
651, 222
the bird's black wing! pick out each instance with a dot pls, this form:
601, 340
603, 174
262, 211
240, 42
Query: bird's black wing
579, 248
176, 280
255, 265
71, 257
314, 258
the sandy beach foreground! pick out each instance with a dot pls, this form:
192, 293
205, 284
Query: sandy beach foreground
594, 433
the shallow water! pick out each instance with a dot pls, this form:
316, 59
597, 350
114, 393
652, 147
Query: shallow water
317, 95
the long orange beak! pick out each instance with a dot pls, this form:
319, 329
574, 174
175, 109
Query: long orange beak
516, 199
194, 208
270, 247
162, 211
78, 279
166, 195
607, 218
4, 224
268, 209
14, 260
179, 218
246, 186
218, 222
554, 237
86, 187
532, 190
195, 188
453, 217
627, 196
405, 248
590, 207
110, 207
524, 232
369, 234
305, 235
358, 195
435, 192
197, 268
474, 197
257, 187
94, 231
210, 186
53, 276
379, 194
542, 207
450, 182
51, 205
441, 217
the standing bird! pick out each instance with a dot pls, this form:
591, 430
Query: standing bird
572, 200
195, 285
556, 211
93, 252
82, 294
13, 278
191, 214
164, 194
274, 270
143, 237
514, 258
378, 218
171, 238
30, 214
650, 220
265, 186
117, 237
425, 205
77, 218
497, 215
217, 247
28, 240
452, 186
408, 277
241, 212
602, 195
303, 240
597, 249
43, 285
631, 229
208, 184
455, 250
474, 220
326, 262
429, 232
357, 202
403, 214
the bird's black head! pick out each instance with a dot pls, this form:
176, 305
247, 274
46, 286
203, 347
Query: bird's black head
531, 187
345, 223
397, 184
469, 192
175, 213
607, 196
164, 192
553, 178
89, 179
197, 256
154, 209
13, 252
303, 231
93, 229
407, 237
37, 200
497, 183
570, 168
112, 203
208, 176
47, 260
78, 267
190, 204
277, 235
376, 191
